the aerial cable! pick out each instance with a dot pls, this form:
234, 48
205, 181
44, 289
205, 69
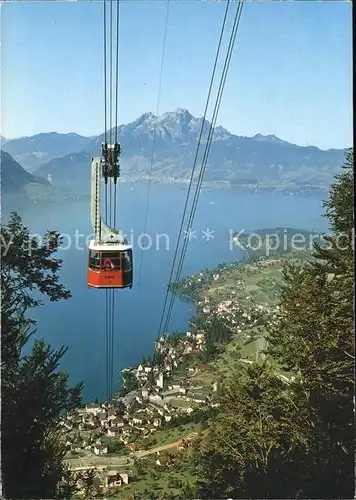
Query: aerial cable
117, 76
110, 69
107, 343
114, 94
194, 164
115, 138
112, 292
155, 132
207, 151
105, 71
106, 195
105, 99
112, 342
111, 98
108, 302
117, 65
110, 211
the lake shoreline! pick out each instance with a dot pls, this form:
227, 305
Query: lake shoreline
137, 312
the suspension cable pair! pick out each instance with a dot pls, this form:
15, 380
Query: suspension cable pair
166, 313
111, 102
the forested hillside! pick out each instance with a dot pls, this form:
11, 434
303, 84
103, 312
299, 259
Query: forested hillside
272, 439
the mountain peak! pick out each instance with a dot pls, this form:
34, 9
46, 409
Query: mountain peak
221, 133
267, 138
179, 114
144, 117
183, 112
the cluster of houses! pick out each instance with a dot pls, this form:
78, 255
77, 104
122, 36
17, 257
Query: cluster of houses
157, 384
153, 378
192, 286
162, 395
106, 423
236, 315
159, 399
104, 481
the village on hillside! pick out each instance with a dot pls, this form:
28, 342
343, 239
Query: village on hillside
162, 393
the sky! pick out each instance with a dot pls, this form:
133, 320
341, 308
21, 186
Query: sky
290, 72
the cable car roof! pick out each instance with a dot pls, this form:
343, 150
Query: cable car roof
107, 247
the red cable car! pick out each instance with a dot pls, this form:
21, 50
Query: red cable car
110, 265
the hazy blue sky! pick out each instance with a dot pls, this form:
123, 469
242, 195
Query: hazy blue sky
290, 73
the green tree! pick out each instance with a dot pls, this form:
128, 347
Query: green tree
278, 437
129, 383
137, 467
338, 256
189, 491
119, 407
88, 478
146, 493
34, 393
249, 450
314, 340
115, 446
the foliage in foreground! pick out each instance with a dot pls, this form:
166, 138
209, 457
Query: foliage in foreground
294, 439
34, 393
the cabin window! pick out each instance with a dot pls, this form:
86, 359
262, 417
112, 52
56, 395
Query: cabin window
94, 260
127, 260
110, 260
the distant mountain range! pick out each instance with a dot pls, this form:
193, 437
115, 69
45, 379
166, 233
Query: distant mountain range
14, 178
259, 161
35, 150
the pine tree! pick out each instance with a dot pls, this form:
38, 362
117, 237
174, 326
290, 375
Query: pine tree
250, 450
34, 394
314, 340
273, 439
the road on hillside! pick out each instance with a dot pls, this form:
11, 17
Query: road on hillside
90, 461
143, 453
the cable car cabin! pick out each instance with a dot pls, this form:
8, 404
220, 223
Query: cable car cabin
110, 266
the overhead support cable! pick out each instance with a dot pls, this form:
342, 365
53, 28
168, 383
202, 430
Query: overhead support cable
106, 194
206, 154
155, 134
111, 87
115, 140
194, 164
204, 163
105, 99
117, 78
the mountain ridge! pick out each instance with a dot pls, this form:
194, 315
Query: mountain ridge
14, 143
20, 188
264, 160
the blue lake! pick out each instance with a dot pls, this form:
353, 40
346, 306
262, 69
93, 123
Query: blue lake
79, 323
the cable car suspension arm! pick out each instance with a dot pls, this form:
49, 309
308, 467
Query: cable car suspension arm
103, 233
